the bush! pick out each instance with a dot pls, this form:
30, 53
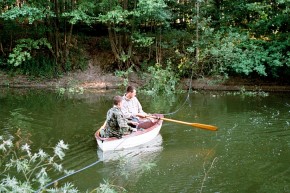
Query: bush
237, 53
161, 80
25, 171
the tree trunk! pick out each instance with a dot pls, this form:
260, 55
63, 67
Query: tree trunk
1, 47
113, 43
197, 36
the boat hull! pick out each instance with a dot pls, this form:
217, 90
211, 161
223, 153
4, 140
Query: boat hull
132, 140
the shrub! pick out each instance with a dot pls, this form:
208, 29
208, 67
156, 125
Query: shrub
161, 80
25, 171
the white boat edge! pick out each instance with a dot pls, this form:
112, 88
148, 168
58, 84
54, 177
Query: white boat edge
150, 148
128, 141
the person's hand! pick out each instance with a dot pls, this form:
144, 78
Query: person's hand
142, 115
134, 118
148, 115
134, 123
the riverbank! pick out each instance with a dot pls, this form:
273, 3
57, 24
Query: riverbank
95, 78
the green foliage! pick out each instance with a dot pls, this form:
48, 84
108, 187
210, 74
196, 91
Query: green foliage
187, 61
29, 57
33, 169
71, 88
173, 44
243, 92
153, 10
23, 170
26, 13
124, 75
115, 16
76, 60
83, 13
107, 187
145, 11
161, 80
257, 56
142, 40
38, 66
238, 53
224, 54
23, 49
231, 37
267, 18
125, 22
53, 39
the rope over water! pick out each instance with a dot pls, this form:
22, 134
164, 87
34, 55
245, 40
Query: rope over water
187, 97
47, 185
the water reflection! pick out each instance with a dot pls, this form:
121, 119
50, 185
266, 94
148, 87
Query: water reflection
150, 147
130, 164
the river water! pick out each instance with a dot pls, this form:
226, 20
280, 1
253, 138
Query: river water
249, 153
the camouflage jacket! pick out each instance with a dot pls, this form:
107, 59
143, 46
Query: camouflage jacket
116, 121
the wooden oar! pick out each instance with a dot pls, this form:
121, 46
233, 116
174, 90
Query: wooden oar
198, 125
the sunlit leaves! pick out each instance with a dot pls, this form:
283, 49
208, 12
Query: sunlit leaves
6, 144
114, 16
154, 10
26, 148
142, 40
26, 14
32, 168
82, 13
11, 184
234, 52
58, 150
162, 80
107, 187
42, 154
22, 51
42, 176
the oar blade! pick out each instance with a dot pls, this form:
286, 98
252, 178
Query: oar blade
204, 126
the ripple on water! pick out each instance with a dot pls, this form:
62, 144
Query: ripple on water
80, 154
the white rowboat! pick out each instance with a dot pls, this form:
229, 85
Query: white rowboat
150, 129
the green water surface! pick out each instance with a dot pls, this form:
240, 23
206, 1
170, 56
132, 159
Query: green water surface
249, 153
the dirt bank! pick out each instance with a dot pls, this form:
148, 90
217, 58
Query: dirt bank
95, 78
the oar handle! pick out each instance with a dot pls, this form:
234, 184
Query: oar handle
198, 125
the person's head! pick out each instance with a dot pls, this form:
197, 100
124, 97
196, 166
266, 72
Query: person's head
117, 101
130, 92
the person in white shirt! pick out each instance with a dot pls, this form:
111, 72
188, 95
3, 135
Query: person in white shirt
132, 108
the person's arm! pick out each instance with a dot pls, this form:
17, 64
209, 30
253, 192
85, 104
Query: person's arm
140, 111
122, 122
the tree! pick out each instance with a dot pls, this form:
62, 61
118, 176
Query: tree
48, 24
125, 22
